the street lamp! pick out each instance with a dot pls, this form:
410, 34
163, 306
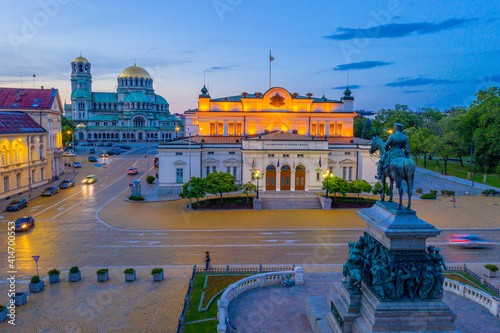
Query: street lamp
327, 175
257, 176
189, 164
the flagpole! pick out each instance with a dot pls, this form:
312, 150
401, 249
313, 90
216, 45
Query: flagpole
270, 61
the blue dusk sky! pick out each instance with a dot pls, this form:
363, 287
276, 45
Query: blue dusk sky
420, 53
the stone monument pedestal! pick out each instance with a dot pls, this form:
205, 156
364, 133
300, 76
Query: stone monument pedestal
400, 279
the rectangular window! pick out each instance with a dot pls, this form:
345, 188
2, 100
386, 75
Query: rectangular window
18, 180
339, 130
300, 155
42, 171
220, 128
347, 153
239, 129
228, 170
230, 129
313, 130
232, 153
214, 169
317, 176
178, 154
212, 128
270, 155
322, 129
207, 169
179, 175
211, 153
350, 173
33, 176
286, 155
344, 170
235, 172
6, 183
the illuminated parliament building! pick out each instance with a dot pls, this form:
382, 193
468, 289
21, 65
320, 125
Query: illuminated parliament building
292, 139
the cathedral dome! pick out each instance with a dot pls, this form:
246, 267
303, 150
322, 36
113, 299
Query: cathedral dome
135, 71
81, 59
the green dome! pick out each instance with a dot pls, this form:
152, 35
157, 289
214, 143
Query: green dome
160, 100
80, 94
137, 97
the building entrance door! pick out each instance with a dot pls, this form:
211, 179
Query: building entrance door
285, 178
300, 178
271, 178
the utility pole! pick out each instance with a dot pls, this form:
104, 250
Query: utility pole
474, 165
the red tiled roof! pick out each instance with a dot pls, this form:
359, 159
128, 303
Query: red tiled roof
217, 139
347, 141
34, 99
18, 122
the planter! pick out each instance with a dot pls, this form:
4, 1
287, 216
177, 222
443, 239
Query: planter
3, 314
36, 287
20, 298
75, 277
158, 277
489, 273
54, 278
130, 277
103, 277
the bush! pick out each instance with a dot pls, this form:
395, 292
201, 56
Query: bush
488, 192
419, 190
35, 279
74, 269
451, 193
136, 198
377, 189
150, 179
433, 192
156, 271
428, 196
493, 268
102, 271
129, 271
227, 203
2, 308
53, 272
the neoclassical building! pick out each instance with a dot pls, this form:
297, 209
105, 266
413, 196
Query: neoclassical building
133, 113
291, 139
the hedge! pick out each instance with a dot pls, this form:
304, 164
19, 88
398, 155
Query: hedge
428, 196
493, 268
136, 198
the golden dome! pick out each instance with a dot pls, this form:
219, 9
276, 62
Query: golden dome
81, 59
135, 71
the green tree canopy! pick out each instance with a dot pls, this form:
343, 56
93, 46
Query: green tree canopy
219, 183
336, 185
360, 185
197, 189
248, 188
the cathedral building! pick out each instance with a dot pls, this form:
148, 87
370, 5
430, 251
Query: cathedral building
133, 113
290, 138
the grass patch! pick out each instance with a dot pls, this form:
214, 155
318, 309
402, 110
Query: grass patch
209, 326
455, 169
216, 283
468, 280
227, 203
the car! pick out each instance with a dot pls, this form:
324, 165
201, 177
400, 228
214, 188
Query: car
126, 147
109, 144
132, 171
50, 191
89, 179
469, 241
66, 183
84, 144
101, 144
69, 154
24, 223
156, 161
92, 159
78, 164
104, 154
92, 151
17, 204
111, 152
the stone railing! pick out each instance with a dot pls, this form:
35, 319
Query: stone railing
251, 282
492, 303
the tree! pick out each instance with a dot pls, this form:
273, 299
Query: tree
219, 183
336, 185
386, 118
197, 190
248, 188
67, 126
377, 189
360, 185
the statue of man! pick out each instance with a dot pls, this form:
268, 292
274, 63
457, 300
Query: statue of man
438, 259
397, 145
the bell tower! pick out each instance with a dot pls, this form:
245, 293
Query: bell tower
81, 77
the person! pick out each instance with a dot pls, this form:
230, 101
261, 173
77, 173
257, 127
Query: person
207, 260
453, 203
397, 145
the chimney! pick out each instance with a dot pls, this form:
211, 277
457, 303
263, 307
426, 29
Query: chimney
42, 87
17, 96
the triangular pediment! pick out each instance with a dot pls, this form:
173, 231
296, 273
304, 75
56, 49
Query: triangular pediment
347, 161
231, 161
210, 161
179, 162
331, 162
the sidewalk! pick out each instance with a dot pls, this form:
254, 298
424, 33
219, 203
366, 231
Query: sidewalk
150, 193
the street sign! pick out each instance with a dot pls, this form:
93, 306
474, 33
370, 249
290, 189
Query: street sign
36, 258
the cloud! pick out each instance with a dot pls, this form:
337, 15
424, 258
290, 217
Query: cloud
396, 30
412, 91
354, 86
361, 65
219, 68
421, 81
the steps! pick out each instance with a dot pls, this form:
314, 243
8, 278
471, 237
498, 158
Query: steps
291, 202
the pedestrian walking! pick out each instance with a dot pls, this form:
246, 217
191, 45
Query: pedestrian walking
207, 260
453, 203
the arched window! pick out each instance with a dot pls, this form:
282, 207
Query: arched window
95, 135
132, 135
300, 168
271, 168
32, 153
99, 135
40, 151
81, 105
139, 122
285, 167
80, 68
3, 156
16, 154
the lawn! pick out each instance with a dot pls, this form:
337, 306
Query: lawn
455, 169
468, 280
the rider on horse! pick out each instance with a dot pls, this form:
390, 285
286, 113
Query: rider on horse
397, 145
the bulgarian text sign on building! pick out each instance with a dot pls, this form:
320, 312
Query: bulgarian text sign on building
300, 145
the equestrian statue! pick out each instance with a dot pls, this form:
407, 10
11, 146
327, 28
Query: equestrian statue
395, 163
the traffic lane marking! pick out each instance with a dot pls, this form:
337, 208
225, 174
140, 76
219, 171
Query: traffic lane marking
57, 203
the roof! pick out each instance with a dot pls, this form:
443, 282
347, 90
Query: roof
208, 140
135, 71
238, 98
104, 117
81, 59
160, 100
104, 97
347, 141
137, 97
278, 136
81, 94
33, 99
18, 122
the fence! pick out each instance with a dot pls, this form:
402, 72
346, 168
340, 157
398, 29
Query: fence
490, 302
475, 276
186, 301
244, 268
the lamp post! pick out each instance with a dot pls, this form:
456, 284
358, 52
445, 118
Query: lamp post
327, 175
29, 165
177, 129
257, 176
474, 164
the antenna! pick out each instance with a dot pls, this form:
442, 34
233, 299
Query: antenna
347, 80
21, 79
323, 89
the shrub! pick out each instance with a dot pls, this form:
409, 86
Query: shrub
35, 279
451, 193
102, 271
493, 268
428, 196
150, 179
129, 271
419, 190
444, 192
156, 271
136, 198
74, 269
53, 272
2, 308
433, 192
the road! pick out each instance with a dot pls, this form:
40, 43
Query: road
92, 226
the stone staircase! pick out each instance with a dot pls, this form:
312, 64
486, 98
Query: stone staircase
290, 200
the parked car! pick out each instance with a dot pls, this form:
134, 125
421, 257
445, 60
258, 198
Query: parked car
104, 154
156, 161
109, 144
78, 164
111, 152
50, 191
132, 171
89, 179
66, 183
17, 204
92, 159
126, 147
24, 223
92, 151
84, 144
69, 154
469, 241
101, 144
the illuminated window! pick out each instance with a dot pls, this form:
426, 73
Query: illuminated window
314, 131
339, 130
230, 129
239, 129
322, 129
220, 128
212, 128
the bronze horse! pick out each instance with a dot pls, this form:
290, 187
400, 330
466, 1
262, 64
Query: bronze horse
400, 168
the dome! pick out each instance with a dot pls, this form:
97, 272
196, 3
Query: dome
135, 71
81, 59
160, 100
137, 97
